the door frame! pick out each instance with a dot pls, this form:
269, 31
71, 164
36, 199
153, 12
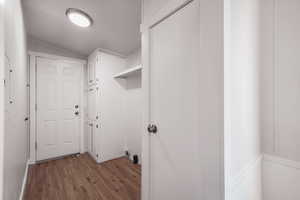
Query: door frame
148, 22
212, 29
2, 98
33, 90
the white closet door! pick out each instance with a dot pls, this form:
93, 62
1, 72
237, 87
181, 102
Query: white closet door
58, 92
174, 102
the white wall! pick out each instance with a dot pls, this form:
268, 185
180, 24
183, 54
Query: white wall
281, 75
16, 134
37, 45
111, 131
280, 99
242, 99
132, 107
134, 59
267, 76
212, 82
151, 7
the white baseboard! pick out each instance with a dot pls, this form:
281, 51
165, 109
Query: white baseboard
282, 161
24, 181
31, 162
247, 183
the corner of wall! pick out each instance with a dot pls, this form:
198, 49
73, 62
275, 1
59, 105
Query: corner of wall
247, 185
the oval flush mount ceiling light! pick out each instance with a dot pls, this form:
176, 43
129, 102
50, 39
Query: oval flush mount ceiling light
79, 17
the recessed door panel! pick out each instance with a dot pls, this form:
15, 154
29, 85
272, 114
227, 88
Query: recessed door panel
50, 128
50, 93
48, 109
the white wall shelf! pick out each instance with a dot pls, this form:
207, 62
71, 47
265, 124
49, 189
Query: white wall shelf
130, 72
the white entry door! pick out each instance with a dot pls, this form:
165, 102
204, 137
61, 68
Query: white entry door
174, 106
58, 106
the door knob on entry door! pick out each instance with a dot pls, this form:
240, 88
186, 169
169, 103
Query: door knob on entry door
152, 128
76, 113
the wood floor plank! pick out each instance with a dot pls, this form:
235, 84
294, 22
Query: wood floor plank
81, 178
129, 185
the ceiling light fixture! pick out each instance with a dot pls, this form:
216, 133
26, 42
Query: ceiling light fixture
79, 17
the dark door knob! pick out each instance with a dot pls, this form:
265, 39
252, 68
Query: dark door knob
152, 128
76, 106
76, 113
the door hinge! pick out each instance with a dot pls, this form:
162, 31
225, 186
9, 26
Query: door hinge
35, 145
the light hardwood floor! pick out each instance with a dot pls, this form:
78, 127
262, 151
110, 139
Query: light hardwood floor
81, 178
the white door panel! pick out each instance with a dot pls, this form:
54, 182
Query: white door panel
174, 99
58, 92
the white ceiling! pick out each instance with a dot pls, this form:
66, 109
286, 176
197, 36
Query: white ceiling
115, 28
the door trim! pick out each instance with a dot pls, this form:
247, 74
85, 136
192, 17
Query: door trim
170, 8
2, 99
33, 89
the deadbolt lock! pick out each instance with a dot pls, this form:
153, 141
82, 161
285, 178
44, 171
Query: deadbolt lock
152, 128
